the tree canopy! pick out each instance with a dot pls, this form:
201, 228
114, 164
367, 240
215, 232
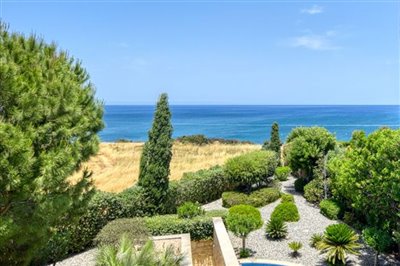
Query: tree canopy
49, 119
307, 145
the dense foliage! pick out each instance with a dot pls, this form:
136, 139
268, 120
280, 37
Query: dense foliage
299, 184
282, 173
314, 190
378, 239
256, 198
330, 209
307, 145
274, 144
276, 229
338, 241
156, 157
367, 178
189, 210
253, 168
135, 229
49, 119
202, 186
286, 211
287, 198
315, 239
242, 219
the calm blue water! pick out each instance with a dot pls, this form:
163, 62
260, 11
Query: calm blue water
247, 122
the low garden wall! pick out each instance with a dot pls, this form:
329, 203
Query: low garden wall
180, 243
223, 252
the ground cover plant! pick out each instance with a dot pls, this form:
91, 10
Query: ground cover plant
330, 209
295, 247
282, 173
189, 210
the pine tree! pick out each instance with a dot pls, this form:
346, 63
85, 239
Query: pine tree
49, 121
275, 143
156, 157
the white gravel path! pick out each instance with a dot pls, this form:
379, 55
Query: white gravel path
86, 258
311, 221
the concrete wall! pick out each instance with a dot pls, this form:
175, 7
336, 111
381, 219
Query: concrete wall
180, 243
202, 253
223, 252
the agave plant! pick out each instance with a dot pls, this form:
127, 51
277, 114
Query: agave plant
338, 241
126, 255
295, 247
276, 229
315, 239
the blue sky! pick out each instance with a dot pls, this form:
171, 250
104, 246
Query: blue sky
258, 52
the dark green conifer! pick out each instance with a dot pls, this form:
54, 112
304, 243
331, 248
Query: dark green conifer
156, 157
275, 142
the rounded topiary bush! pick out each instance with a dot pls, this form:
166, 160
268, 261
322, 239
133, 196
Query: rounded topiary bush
299, 184
287, 198
134, 228
330, 209
189, 210
286, 211
282, 173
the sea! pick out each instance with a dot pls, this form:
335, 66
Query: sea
248, 122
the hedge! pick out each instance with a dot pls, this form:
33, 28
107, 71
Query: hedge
134, 228
202, 186
287, 198
199, 227
257, 198
330, 209
286, 211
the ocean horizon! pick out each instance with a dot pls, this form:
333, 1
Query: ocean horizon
248, 122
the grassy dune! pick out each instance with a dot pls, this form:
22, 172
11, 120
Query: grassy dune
116, 166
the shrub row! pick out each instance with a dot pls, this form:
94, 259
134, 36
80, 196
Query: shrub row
203, 140
286, 211
257, 198
199, 227
287, 198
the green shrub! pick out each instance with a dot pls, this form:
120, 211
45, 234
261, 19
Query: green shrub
252, 168
217, 213
314, 190
189, 210
104, 207
315, 239
287, 198
242, 219
286, 211
133, 200
330, 209
199, 227
202, 186
194, 139
134, 228
282, 173
257, 198
378, 239
276, 229
338, 240
299, 184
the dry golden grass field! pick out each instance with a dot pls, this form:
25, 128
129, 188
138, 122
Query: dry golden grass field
116, 166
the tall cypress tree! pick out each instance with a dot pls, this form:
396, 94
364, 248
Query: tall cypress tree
156, 157
275, 143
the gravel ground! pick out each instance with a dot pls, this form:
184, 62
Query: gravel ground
311, 221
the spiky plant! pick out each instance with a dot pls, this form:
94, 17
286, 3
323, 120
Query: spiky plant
339, 240
126, 255
315, 239
295, 247
276, 229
